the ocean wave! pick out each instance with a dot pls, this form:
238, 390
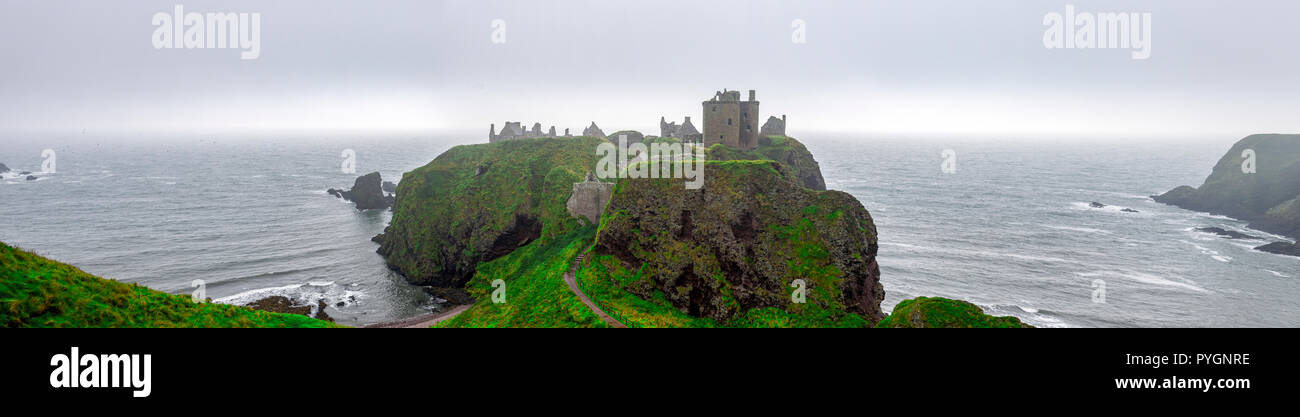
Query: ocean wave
1213, 254
301, 294
1146, 278
1278, 274
1081, 229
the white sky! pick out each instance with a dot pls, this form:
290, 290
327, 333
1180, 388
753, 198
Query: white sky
907, 67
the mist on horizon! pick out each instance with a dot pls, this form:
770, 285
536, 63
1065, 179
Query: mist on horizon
903, 69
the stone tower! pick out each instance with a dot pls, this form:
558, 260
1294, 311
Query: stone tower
730, 121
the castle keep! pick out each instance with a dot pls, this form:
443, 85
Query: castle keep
731, 122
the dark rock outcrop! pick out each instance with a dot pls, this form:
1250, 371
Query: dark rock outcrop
367, 192
282, 304
738, 244
1230, 234
389, 187
1095, 204
1281, 248
454, 296
1128, 210
31, 178
3, 169
1268, 198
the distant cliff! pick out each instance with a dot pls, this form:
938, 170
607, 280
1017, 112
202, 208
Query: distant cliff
731, 251
476, 203
1269, 198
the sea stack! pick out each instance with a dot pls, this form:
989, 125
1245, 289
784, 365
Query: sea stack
367, 192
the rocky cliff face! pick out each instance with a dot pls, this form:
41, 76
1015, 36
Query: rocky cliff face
739, 243
1269, 198
799, 163
475, 203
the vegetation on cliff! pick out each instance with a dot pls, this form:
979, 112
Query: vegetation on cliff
936, 312
729, 254
799, 163
477, 203
38, 292
1268, 198
534, 290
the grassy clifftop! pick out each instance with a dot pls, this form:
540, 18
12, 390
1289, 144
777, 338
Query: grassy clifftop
477, 203
798, 161
38, 292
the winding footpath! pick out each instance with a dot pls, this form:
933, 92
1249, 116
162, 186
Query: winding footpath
571, 279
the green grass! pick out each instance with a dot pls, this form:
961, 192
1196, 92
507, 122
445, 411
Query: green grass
38, 292
935, 312
599, 278
536, 294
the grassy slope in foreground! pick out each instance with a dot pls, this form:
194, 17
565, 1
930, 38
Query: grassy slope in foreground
38, 292
932, 312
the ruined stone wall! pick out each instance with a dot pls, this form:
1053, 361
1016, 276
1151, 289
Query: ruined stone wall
589, 199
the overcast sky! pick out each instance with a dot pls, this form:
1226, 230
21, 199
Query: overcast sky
917, 67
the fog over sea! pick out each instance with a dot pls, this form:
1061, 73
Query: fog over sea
1011, 230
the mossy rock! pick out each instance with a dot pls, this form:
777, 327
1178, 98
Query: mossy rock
476, 203
935, 312
730, 251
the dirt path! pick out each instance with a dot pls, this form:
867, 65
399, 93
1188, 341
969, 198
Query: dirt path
421, 322
571, 279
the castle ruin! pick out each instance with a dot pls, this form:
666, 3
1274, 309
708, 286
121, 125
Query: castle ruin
515, 131
589, 198
730, 121
773, 126
686, 131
